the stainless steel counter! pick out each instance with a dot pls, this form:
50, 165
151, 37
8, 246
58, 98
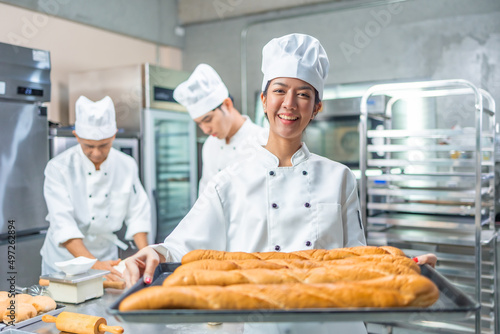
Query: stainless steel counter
98, 307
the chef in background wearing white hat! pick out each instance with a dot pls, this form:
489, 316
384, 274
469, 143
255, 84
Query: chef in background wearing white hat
208, 102
90, 190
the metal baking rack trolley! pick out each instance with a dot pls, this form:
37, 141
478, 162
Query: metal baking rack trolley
428, 185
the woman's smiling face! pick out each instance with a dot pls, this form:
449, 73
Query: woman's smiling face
290, 105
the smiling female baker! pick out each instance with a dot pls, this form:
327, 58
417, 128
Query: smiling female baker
282, 197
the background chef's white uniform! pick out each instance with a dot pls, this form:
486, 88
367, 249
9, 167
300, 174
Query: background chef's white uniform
92, 204
217, 155
313, 204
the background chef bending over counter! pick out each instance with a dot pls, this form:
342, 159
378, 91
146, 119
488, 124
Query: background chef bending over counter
90, 190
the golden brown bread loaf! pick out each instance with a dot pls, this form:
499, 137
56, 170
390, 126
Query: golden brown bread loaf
229, 265
38, 304
348, 277
23, 298
294, 263
205, 254
21, 312
398, 260
43, 304
388, 291
311, 254
324, 274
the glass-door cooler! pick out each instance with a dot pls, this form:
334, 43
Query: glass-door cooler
170, 165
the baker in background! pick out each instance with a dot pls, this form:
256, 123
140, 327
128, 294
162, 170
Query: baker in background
90, 190
208, 102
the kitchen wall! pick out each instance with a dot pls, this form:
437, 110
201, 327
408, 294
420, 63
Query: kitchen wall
149, 20
406, 40
77, 47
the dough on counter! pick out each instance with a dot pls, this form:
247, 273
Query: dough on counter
23, 311
43, 304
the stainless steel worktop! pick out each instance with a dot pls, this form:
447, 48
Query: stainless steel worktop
98, 307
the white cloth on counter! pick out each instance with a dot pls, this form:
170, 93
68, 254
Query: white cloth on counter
92, 204
217, 155
256, 206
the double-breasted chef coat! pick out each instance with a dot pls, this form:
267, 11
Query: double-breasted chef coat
92, 204
217, 154
256, 206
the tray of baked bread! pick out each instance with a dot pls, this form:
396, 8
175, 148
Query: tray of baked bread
371, 284
20, 310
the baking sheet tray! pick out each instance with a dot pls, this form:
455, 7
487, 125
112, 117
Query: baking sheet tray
4, 327
452, 304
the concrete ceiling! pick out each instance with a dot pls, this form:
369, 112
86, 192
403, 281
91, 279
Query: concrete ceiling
198, 11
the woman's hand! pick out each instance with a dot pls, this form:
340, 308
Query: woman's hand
115, 275
143, 263
429, 259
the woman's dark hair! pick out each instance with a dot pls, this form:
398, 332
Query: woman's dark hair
316, 94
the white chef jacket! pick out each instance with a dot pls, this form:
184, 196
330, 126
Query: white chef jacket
217, 155
91, 204
256, 206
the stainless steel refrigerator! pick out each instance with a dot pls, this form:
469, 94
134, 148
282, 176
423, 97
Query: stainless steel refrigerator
24, 87
143, 98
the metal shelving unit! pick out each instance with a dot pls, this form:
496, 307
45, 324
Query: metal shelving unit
435, 187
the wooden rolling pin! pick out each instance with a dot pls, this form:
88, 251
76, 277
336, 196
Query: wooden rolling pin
105, 284
81, 323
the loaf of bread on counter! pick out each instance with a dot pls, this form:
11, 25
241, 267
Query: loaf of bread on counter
311, 254
388, 291
26, 306
323, 274
24, 298
21, 312
43, 304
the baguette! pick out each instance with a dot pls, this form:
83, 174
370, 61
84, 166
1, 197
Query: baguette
388, 291
294, 263
327, 274
228, 265
311, 254
397, 260
204, 254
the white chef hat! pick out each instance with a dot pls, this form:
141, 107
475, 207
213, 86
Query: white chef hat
295, 56
202, 92
95, 120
